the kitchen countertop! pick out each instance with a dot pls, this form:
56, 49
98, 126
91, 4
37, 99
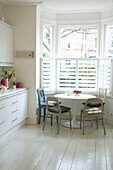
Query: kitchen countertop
11, 91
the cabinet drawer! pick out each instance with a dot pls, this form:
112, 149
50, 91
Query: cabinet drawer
14, 99
14, 122
2, 113
14, 106
11, 100
2, 127
14, 114
2, 102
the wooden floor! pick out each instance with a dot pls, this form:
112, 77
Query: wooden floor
30, 148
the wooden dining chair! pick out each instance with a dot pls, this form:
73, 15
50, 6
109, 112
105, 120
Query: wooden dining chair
57, 110
93, 109
42, 104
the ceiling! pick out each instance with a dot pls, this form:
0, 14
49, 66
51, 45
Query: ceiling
68, 5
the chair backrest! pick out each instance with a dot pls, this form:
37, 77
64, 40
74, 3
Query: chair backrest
53, 100
102, 94
93, 103
41, 96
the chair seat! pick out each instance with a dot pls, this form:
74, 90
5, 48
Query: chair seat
93, 104
93, 112
50, 103
55, 109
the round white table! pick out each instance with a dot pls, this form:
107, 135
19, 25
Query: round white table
75, 98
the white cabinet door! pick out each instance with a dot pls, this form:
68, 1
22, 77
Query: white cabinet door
8, 113
2, 42
22, 99
11, 111
6, 43
2, 116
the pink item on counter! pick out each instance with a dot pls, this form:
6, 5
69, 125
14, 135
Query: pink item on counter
4, 82
15, 84
20, 85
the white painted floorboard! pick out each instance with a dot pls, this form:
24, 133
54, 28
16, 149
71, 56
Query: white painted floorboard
30, 148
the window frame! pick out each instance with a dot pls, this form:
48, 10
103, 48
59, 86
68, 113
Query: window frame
82, 26
105, 38
51, 24
104, 53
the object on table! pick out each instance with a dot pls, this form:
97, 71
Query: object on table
68, 93
77, 92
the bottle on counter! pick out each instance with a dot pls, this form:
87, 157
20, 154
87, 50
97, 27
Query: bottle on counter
20, 85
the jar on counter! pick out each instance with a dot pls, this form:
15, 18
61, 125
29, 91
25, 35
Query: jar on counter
20, 85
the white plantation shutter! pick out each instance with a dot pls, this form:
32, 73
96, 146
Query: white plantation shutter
76, 74
48, 77
87, 75
104, 74
66, 74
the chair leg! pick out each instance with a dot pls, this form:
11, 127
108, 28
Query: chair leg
80, 119
97, 122
39, 116
70, 118
44, 122
103, 125
51, 120
44, 114
83, 125
59, 119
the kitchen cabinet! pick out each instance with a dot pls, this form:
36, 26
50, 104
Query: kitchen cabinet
22, 103
6, 44
2, 116
13, 109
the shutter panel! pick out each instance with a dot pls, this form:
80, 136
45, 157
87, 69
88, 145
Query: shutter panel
48, 77
66, 74
87, 75
104, 74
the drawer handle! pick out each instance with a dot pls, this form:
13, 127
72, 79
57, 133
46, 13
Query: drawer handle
14, 102
14, 120
14, 111
2, 122
2, 107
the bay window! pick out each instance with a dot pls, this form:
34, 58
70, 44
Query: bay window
77, 65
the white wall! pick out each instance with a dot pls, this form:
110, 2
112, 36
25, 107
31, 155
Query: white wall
23, 19
79, 17
1, 12
108, 13
0, 8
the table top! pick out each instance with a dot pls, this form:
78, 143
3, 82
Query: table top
74, 96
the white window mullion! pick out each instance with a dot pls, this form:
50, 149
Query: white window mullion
111, 83
76, 75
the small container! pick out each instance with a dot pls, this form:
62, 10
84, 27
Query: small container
20, 85
3, 81
15, 84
